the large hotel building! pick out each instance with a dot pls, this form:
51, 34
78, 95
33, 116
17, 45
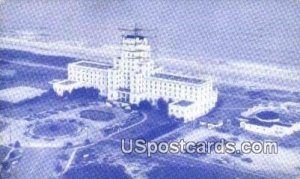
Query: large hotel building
133, 77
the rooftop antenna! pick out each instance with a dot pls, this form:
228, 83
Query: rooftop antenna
136, 31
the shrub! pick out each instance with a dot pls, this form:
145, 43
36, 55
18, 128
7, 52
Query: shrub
248, 160
13, 154
86, 93
5, 165
58, 168
87, 141
64, 157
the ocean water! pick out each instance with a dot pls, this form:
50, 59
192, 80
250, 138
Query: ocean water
248, 31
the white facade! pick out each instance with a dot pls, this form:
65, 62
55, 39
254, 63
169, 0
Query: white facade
90, 75
63, 86
133, 77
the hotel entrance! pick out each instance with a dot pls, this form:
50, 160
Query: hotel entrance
123, 96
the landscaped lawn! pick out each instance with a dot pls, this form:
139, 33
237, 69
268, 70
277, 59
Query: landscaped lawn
97, 115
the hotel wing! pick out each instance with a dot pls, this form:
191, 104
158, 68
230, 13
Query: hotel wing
133, 77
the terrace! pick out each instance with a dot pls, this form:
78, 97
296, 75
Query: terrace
67, 82
178, 78
183, 103
94, 65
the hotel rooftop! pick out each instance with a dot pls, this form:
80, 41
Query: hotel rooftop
178, 78
135, 36
183, 103
94, 65
68, 82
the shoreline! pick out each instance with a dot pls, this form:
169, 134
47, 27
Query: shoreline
233, 73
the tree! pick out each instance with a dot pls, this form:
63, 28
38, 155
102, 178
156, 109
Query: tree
66, 94
145, 105
58, 168
68, 145
87, 141
89, 93
162, 105
82, 93
5, 165
134, 106
13, 154
17, 144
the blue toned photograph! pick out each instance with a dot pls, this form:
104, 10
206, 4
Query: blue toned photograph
149, 89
